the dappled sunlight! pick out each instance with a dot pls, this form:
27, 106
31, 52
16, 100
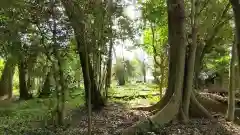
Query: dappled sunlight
111, 67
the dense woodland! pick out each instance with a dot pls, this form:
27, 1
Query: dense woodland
61, 72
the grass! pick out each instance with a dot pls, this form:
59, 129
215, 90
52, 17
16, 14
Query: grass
22, 115
131, 93
133, 89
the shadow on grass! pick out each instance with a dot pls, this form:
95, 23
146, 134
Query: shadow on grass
19, 119
117, 116
31, 117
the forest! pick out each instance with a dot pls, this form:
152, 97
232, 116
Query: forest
119, 67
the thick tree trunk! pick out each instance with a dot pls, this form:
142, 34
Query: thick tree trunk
236, 12
174, 107
76, 16
6, 81
176, 17
22, 81
96, 98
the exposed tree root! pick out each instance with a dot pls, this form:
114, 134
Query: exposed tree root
211, 104
197, 109
220, 98
167, 113
200, 104
149, 108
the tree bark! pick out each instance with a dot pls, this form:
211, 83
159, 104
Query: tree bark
176, 15
191, 61
236, 12
6, 81
23, 90
76, 16
144, 71
109, 69
46, 89
232, 85
110, 51
109, 65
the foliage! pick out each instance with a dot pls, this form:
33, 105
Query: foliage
32, 114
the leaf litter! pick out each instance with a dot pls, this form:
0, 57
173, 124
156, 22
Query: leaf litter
116, 117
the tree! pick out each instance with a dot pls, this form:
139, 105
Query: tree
76, 15
155, 38
120, 71
211, 36
176, 95
177, 42
236, 12
190, 59
24, 94
235, 53
232, 84
7, 78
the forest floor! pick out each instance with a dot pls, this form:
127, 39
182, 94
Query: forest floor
31, 117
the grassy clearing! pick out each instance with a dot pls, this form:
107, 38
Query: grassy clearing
135, 93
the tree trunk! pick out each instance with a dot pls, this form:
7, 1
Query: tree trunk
162, 76
110, 51
232, 85
120, 73
6, 81
61, 111
76, 16
109, 67
22, 81
236, 12
174, 107
96, 98
46, 89
190, 62
144, 71
198, 66
176, 69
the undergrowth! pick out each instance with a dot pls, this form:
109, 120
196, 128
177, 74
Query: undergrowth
30, 117
19, 116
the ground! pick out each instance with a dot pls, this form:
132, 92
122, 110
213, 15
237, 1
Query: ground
34, 118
